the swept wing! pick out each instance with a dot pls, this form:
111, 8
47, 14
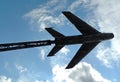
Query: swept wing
82, 52
83, 27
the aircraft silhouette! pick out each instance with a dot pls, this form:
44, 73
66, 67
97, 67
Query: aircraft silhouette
89, 39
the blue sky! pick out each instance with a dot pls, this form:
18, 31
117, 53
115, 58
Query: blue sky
26, 20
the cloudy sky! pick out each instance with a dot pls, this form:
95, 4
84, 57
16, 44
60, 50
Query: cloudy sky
26, 20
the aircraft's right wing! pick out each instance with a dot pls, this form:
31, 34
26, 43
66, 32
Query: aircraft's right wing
82, 52
83, 27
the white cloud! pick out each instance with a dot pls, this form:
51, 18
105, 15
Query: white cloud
108, 56
60, 55
24, 78
20, 68
42, 81
42, 54
107, 14
30, 77
38, 81
76, 5
45, 15
5, 79
83, 72
64, 50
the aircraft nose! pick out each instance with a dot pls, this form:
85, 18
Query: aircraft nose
111, 35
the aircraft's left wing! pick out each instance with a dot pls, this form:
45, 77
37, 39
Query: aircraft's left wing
82, 52
82, 26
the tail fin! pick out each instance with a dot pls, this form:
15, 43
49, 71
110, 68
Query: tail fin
54, 33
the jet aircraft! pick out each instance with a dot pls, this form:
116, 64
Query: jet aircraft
89, 39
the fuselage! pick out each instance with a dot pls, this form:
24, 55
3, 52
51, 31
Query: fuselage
78, 39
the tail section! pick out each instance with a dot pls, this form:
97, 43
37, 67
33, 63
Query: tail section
55, 34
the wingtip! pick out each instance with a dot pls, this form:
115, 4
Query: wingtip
49, 55
64, 12
47, 28
68, 67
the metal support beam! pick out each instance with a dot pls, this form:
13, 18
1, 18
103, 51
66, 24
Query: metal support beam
22, 45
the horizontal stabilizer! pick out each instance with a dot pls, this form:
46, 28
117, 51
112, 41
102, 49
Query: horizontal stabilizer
54, 33
55, 49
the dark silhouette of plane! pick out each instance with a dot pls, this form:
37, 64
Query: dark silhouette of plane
89, 39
